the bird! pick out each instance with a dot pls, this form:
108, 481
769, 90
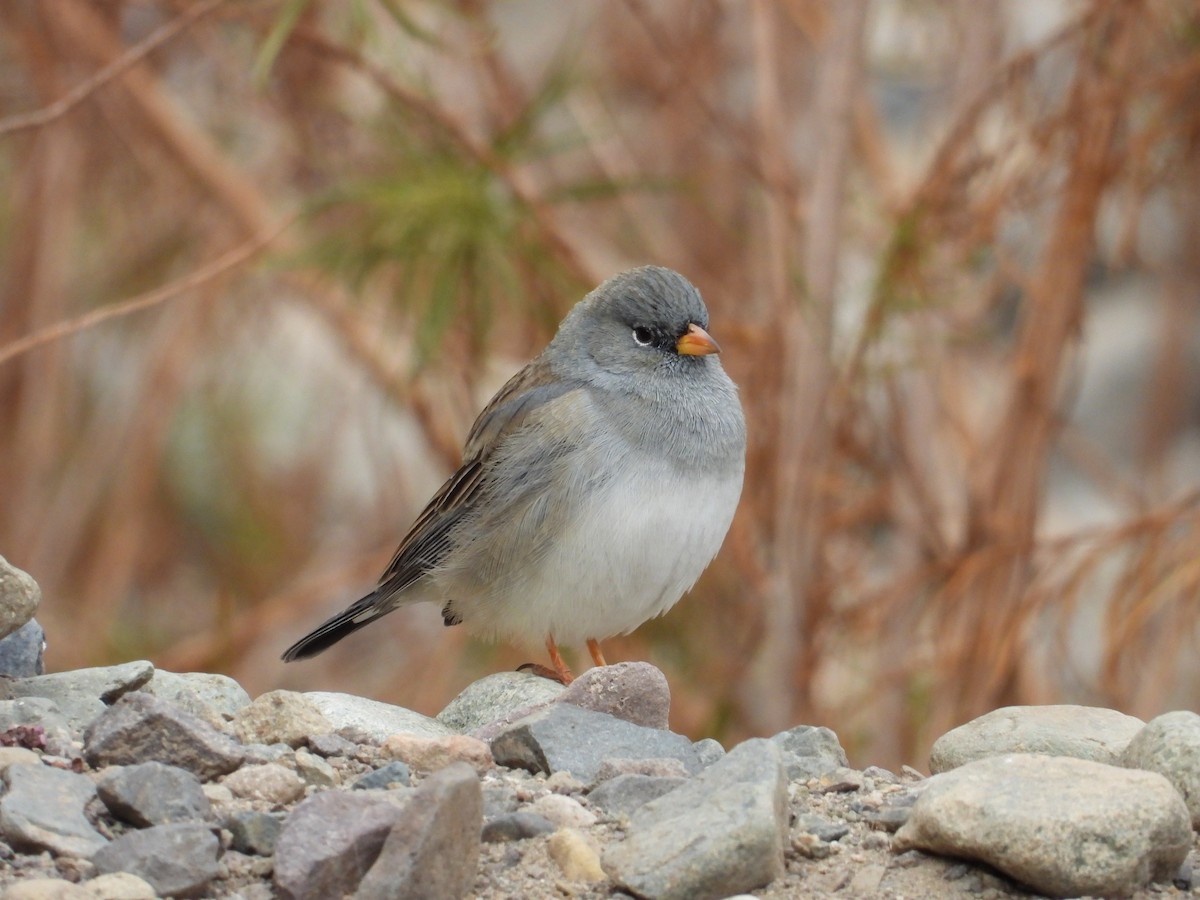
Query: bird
595, 487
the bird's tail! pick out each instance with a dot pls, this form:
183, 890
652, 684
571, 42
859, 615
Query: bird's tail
360, 613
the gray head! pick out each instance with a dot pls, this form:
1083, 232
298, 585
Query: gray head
648, 322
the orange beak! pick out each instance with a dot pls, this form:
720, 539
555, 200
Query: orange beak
696, 342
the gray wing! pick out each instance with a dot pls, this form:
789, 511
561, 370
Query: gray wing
528, 396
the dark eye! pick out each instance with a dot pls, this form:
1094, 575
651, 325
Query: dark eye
642, 335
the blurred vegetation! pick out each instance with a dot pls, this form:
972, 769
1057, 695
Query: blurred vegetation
262, 262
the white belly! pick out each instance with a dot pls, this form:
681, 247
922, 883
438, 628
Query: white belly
626, 559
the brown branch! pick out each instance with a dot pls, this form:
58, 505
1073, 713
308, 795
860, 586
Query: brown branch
231, 260
39, 118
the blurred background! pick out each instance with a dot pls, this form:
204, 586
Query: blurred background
261, 263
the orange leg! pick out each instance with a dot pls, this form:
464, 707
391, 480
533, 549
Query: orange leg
597, 654
560, 665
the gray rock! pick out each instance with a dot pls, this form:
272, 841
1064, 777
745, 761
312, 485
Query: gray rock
258, 754
566, 738
329, 842
433, 849
722, 833
21, 653
379, 721
314, 770
83, 694
499, 797
1066, 827
328, 745
810, 751
709, 750
178, 860
634, 691
280, 717
43, 810
515, 826
1170, 746
820, 827
153, 793
37, 712
622, 795
143, 728
19, 597
895, 810
660, 768
1082, 732
496, 697
384, 778
254, 832
214, 698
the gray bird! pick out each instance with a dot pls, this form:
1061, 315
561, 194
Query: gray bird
595, 487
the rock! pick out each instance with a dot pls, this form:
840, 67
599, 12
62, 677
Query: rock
566, 783
270, 782
810, 751
1064, 826
496, 697
709, 750
377, 720
329, 842
328, 745
866, 881
18, 756
257, 754
1082, 732
39, 722
821, 828
721, 833
634, 691
1170, 746
19, 597
21, 653
567, 738
214, 698
620, 796
515, 826
280, 717
217, 794
119, 886
46, 889
143, 728
562, 811
394, 774
178, 860
659, 768
314, 770
153, 793
83, 694
43, 810
576, 857
840, 780
254, 832
433, 849
429, 754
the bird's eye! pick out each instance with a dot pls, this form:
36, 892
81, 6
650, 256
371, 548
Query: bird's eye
642, 335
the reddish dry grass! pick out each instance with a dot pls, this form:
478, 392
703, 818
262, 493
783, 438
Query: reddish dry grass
197, 268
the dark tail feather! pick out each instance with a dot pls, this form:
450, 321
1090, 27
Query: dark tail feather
361, 613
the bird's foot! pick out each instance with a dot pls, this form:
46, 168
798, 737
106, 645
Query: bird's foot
546, 672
